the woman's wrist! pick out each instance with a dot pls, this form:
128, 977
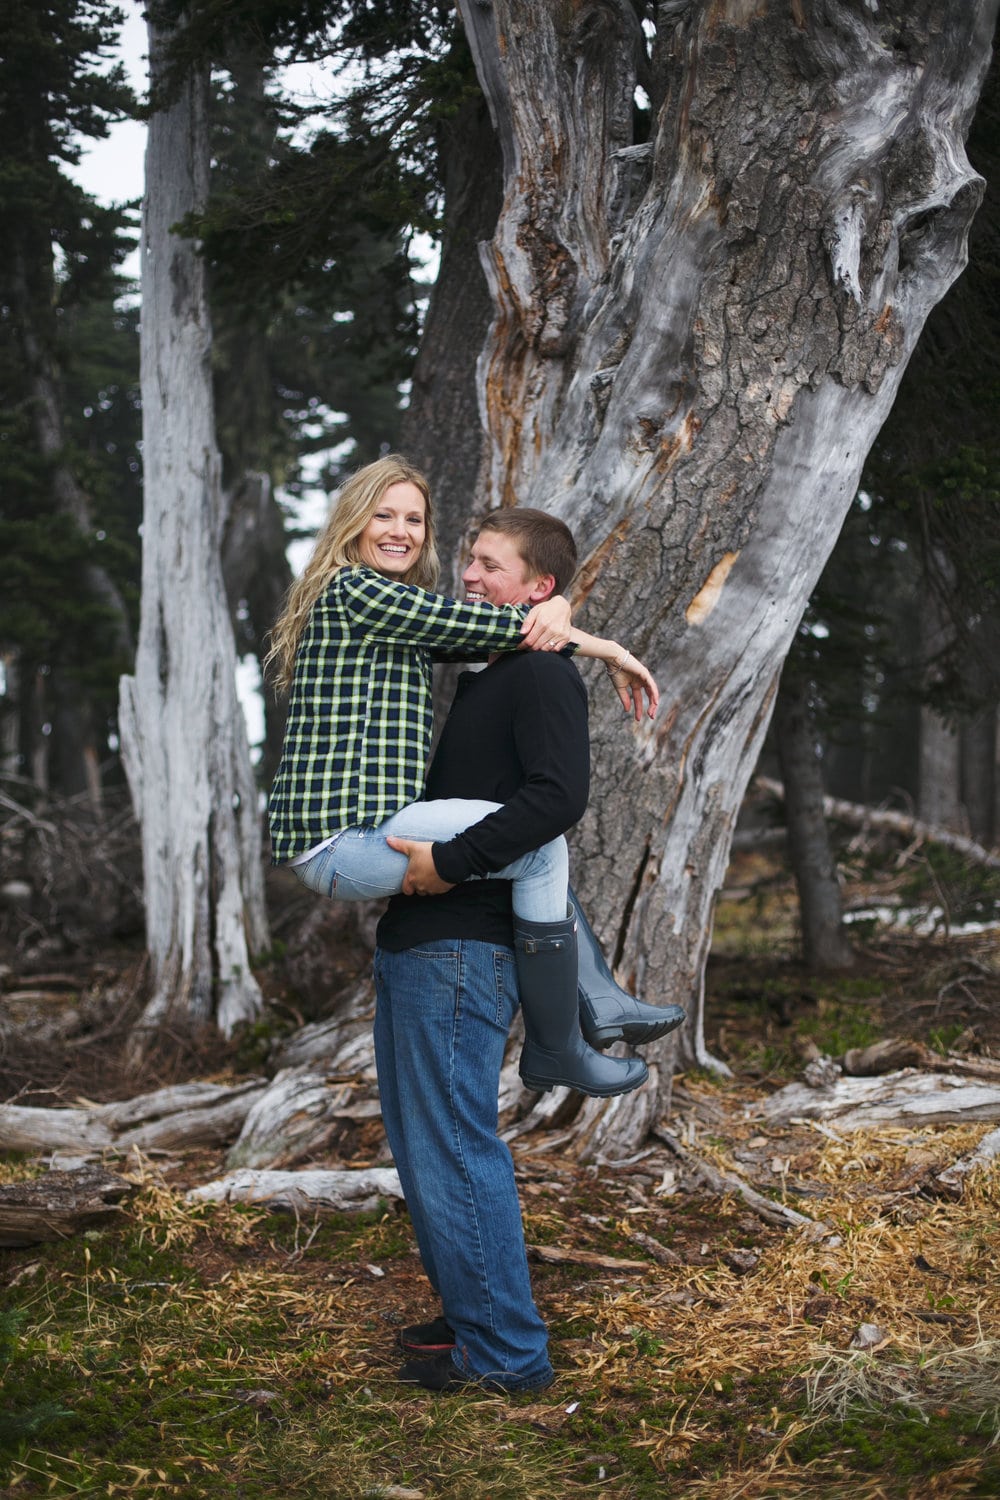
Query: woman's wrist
619, 661
614, 656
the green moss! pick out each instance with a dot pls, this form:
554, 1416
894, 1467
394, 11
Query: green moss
943, 1038
896, 1443
838, 1027
32, 1408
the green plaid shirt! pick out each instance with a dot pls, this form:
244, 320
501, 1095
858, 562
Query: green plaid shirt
359, 718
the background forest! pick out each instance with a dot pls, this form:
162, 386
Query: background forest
188, 1344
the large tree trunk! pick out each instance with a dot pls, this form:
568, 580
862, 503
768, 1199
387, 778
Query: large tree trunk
978, 733
441, 431
184, 741
691, 367
939, 796
257, 577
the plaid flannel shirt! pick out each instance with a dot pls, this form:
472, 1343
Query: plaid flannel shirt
359, 719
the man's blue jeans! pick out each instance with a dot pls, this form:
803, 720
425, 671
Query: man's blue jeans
443, 1011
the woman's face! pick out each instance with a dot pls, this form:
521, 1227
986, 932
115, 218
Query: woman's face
394, 537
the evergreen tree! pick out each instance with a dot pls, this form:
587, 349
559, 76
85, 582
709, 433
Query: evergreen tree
68, 366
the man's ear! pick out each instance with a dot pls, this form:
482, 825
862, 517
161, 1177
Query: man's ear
543, 587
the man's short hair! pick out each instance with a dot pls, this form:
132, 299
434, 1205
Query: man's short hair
544, 542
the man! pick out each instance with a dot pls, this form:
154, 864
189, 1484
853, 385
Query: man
446, 981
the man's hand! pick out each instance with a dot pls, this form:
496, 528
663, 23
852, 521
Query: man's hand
421, 878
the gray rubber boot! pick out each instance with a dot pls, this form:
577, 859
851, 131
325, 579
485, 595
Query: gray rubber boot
555, 1052
607, 1012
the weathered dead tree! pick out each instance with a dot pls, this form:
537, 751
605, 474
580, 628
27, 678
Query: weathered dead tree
695, 341
184, 741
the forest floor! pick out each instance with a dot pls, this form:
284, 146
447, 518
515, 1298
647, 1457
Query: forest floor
701, 1352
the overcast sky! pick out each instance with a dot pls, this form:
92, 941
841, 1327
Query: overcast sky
112, 169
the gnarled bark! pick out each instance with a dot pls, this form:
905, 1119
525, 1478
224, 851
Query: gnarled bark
296, 1118
695, 342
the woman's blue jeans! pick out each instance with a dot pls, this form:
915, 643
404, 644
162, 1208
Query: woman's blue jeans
443, 1011
360, 866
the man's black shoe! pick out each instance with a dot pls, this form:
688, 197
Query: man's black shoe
440, 1373
426, 1339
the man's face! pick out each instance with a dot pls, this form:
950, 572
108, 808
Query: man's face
498, 574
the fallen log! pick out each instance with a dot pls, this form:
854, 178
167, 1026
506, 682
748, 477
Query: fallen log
855, 815
184, 1115
887, 1056
300, 1192
903, 1098
59, 1204
296, 1117
894, 1053
952, 1179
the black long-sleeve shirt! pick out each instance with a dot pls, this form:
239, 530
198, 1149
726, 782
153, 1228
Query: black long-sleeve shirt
517, 733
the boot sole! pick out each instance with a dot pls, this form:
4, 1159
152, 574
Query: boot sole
543, 1086
635, 1036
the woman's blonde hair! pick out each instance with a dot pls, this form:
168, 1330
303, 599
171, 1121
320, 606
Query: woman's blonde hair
337, 547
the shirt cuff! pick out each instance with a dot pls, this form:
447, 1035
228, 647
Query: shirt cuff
450, 863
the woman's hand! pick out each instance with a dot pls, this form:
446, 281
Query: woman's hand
630, 679
547, 626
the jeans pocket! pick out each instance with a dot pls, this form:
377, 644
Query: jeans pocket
507, 995
319, 874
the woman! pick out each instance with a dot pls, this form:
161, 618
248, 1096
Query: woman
355, 645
